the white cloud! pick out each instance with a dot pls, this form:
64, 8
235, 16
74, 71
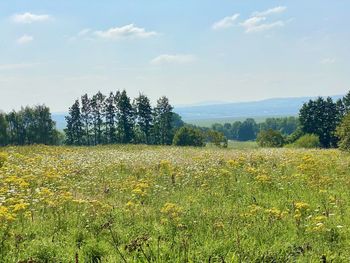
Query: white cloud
271, 11
15, 66
327, 61
25, 39
226, 22
173, 59
28, 18
84, 32
127, 31
254, 24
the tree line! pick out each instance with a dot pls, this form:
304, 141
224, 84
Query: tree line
249, 129
116, 118
323, 122
30, 125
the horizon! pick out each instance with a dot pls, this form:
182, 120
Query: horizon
52, 53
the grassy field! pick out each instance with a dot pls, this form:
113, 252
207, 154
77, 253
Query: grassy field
168, 204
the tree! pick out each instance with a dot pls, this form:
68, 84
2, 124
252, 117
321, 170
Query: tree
343, 133
144, 117
320, 117
3, 130
74, 130
163, 122
217, 138
86, 118
97, 117
110, 115
187, 136
346, 103
125, 116
247, 130
270, 138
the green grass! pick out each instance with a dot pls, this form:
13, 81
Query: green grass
170, 204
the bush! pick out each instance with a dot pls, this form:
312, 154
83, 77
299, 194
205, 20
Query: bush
307, 141
270, 138
217, 138
343, 133
187, 136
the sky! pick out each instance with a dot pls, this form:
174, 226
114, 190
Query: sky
192, 51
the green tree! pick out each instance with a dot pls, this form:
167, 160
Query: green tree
217, 138
163, 122
144, 119
346, 103
187, 136
97, 102
74, 131
247, 130
270, 138
3, 130
343, 133
320, 117
110, 115
125, 116
86, 118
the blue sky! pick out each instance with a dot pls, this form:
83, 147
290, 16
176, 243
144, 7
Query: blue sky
192, 51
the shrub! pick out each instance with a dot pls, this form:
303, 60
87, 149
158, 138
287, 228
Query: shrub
343, 133
270, 138
217, 138
307, 141
187, 136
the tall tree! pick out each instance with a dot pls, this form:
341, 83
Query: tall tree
97, 116
110, 115
86, 118
143, 110
346, 103
125, 116
74, 130
163, 117
320, 117
3, 130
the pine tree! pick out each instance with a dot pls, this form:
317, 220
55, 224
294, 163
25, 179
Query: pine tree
110, 115
144, 118
163, 117
97, 116
125, 116
86, 118
74, 130
3, 130
346, 102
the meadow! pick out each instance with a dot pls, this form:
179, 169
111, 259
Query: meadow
169, 204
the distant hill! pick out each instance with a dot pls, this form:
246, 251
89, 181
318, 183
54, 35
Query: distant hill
206, 114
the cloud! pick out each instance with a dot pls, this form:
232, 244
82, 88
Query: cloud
28, 18
254, 24
84, 32
328, 61
271, 11
25, 39
173, 59
127, 31
257, 22
16, 66
226, 22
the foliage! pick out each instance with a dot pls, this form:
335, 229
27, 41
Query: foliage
343, 133
30, 125
270, 138
307, 141
247, 130
187, 136
117, 119
321, 117
137, 203
216, 138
